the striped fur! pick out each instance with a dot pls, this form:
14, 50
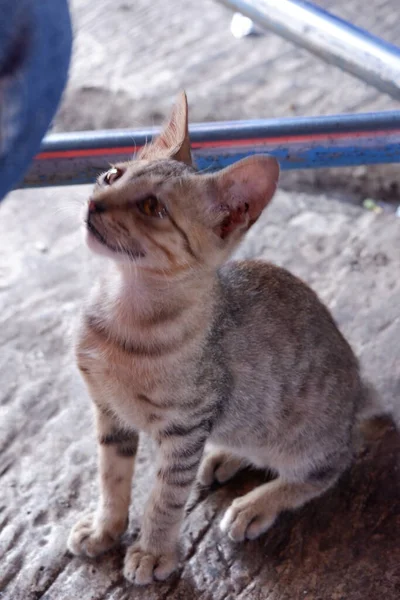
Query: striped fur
175, 343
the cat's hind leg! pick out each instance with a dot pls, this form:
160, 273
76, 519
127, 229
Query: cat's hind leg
252, 514
219, 465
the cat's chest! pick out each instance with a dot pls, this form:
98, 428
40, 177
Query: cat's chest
141, 389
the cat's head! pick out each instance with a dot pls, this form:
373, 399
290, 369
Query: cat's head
157, 211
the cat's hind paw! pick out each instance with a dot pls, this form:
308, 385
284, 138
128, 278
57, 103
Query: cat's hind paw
89, 537
246, 520
143, 567
219, 466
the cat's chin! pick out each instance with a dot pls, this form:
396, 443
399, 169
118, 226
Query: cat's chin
98, 247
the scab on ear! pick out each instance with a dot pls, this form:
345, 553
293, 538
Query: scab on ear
244, 190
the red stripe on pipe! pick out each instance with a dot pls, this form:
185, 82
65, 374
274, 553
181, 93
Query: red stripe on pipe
216, 144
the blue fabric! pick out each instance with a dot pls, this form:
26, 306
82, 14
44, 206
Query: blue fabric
35, 52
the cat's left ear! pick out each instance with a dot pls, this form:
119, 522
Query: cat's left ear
173, 141
243, 191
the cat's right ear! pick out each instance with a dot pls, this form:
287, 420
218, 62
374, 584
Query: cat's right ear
173, 141
243, 190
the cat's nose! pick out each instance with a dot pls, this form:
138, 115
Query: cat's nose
95, 206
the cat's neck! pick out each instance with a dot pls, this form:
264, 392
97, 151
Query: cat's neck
128, 298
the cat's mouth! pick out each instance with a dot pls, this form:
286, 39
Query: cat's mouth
132, 253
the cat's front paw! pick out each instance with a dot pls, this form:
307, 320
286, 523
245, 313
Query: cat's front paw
143, 567
91, 537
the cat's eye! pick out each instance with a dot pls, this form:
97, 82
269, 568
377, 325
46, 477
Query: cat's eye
112, 175
152, 207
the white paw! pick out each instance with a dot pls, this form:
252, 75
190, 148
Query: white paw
89, 538
245, 520
143, 567
218, 466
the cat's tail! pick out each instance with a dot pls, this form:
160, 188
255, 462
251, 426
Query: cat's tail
372, 405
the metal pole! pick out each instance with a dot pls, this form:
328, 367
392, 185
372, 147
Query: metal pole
334, 40
298, 143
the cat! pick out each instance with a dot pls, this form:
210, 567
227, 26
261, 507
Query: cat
196, 351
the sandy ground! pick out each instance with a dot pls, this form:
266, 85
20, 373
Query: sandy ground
130, 59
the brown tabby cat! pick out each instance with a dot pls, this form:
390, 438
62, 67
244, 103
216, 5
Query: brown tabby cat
191, 349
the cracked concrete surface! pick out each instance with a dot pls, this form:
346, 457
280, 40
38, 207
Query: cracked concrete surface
128, 64
343, 545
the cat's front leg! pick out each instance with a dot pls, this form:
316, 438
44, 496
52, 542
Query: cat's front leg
155, 555
97, 532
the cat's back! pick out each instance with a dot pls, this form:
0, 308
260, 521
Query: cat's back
295, 376
269, 308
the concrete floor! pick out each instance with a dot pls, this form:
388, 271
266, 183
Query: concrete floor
130, 58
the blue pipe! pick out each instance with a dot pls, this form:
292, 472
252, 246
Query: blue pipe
298, 143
